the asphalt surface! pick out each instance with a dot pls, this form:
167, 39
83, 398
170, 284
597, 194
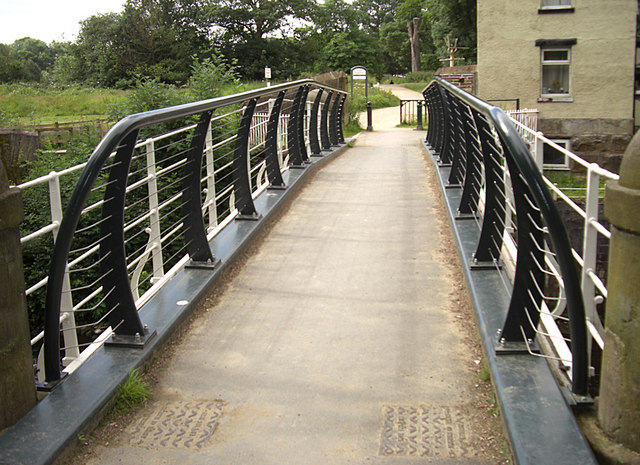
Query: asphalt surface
337, 342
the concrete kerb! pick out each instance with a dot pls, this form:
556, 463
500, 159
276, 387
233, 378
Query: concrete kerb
49, 430
540, 424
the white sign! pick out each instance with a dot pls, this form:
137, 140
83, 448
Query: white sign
359, 73
267, 73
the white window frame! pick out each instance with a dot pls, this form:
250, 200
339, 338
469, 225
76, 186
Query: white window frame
564, 96
563, 4
566, 144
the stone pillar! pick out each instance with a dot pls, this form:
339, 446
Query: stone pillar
618, 406
17, 384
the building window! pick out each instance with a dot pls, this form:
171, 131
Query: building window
555, 6
555, 3
552, 158
555, 72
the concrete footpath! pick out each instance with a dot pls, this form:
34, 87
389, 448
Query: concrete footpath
344, 339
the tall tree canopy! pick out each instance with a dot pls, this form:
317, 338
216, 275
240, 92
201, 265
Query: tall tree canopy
161, 38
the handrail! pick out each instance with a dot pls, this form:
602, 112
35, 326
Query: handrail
537, 217
122, 140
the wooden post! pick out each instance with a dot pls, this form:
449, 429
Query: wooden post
17, 383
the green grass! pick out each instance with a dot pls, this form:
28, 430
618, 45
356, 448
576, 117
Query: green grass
417, 86
574, 185
132, 393
32, 104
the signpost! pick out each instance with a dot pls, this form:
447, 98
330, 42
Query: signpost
267, 76
360, 73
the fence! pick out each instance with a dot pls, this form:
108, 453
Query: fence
412, 112
520, 232
157, 188
595, 235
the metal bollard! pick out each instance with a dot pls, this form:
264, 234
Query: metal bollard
419, 127
369, 117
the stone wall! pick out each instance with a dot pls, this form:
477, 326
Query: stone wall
464, 77
597, 140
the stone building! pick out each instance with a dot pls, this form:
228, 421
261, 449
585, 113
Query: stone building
573, 60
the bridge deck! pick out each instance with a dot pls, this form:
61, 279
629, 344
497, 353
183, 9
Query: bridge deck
343, 339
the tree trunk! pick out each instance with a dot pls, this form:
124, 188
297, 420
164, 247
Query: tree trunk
414, 38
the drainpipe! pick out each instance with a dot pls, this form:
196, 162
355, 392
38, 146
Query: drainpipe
618, 406
17, 383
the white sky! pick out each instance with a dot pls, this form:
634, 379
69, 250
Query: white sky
49, 20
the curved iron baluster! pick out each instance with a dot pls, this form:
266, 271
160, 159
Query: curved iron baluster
195, 234
324, 122
313, 125
293, 137
241, 173
271, 146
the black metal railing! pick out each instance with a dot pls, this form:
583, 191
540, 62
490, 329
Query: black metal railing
145, 191
413, 111
521, 232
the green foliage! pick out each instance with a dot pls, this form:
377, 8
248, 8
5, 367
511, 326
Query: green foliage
148, 94
36, 102
132, 393
210, 76
37, 253
418, 76
456, 19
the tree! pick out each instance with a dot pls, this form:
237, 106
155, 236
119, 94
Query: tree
414, 38
96, 54
348, 49
246, 20
376, 13
456, 19
411, 12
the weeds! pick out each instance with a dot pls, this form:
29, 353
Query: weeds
132, 393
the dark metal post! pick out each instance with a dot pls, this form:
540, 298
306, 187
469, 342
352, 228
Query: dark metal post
195, 234
369, 117
302, 114
293, 138
419, 127
123, 315
343, 100
241, 173
324, 123
314, 143
271, 146
333, 122
491, 235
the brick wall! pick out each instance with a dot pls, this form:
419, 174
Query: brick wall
464, 77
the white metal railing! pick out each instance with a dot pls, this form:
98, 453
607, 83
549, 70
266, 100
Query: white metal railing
595, 233
218, 207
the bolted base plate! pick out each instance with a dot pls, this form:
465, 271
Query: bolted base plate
485, 265
48, 386
208, 265
465, 216
274, 187
137, 341
515, 347
254, 217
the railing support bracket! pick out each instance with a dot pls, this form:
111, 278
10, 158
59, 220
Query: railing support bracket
203, 265
136, 341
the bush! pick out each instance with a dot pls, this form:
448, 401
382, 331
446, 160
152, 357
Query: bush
418, 76
211, 77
